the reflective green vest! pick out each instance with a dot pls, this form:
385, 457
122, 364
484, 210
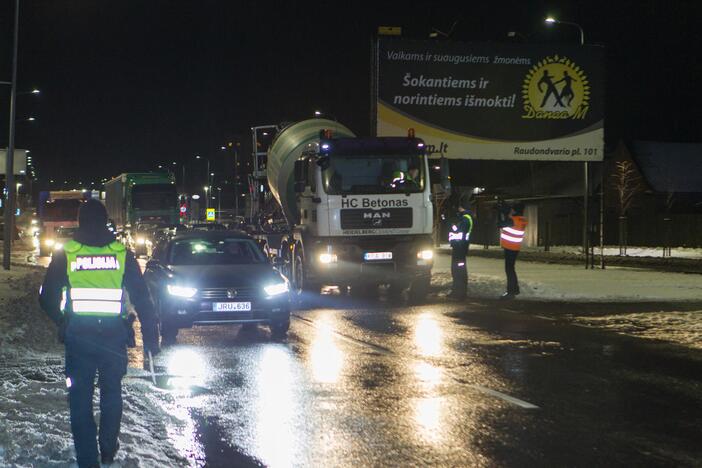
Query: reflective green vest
95, 276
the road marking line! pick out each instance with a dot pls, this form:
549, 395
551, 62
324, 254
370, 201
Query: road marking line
543, 317
503, 396
347, 338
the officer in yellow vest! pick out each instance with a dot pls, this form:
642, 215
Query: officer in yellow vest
83, 294
459, 240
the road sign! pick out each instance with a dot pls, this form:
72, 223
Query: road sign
210, 214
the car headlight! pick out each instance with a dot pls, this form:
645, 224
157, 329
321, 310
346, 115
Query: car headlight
327, 258
181, 291
276, 289
141, 241
49, 242
58, 246
425, 254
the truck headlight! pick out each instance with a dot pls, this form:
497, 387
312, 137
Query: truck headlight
276, 289
49, 242
425, 254
181, 291
327, 258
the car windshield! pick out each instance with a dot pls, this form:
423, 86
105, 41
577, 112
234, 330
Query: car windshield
222, 251
374, 174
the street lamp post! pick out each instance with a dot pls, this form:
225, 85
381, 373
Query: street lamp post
586, 189
219, 204
10, 157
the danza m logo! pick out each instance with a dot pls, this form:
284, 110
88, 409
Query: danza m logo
556, 88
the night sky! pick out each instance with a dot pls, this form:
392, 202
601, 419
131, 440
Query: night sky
129, 84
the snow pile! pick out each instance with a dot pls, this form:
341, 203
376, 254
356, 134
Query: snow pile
35, 429
678, 327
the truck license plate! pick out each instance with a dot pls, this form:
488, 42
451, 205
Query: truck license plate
231, 306
377, 256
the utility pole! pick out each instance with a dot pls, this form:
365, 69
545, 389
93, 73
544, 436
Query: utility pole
10, 157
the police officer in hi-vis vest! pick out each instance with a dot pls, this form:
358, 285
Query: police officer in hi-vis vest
459, 240
83, 293
512, 224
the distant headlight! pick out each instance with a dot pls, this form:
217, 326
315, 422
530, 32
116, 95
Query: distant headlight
276, 289
181, 291
49, 242
141, 241
425, 254
327, 258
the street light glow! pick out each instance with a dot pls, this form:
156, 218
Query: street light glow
35, 91
31, 119
550, 20
317, 113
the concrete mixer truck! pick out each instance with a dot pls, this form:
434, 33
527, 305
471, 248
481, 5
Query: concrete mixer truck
356, 211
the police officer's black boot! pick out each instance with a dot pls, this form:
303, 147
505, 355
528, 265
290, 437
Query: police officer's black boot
107, 458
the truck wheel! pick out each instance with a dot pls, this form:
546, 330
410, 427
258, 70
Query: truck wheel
419, 289
279, 329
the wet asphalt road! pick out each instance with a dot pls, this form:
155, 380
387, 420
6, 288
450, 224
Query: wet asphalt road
374, 381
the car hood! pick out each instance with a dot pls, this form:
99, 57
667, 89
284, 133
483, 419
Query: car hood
223, 276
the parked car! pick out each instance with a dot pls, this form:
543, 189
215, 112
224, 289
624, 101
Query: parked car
216, 277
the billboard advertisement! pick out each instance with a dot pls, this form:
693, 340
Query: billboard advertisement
492, 101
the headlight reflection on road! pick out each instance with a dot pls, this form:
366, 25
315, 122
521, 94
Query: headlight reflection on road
428, 416
187, 368
428, 374
326, 359
428, 335
275, 408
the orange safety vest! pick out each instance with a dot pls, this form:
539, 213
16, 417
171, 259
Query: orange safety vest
511, 237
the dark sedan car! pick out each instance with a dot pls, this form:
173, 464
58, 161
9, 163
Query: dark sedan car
221, 277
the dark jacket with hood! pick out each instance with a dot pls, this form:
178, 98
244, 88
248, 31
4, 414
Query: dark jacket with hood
93, 232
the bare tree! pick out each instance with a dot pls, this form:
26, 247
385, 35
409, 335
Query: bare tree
627, 184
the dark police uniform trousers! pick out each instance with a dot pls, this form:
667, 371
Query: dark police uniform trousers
89, 352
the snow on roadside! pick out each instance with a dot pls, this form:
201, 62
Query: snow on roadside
684, 328
33, 401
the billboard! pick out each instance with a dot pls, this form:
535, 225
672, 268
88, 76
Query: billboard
20, 163
492, 101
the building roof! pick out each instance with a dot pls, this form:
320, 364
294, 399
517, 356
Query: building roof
669, 167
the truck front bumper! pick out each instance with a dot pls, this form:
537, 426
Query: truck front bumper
373, 260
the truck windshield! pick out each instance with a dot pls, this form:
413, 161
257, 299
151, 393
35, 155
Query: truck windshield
151, 197
374, 174
60, 210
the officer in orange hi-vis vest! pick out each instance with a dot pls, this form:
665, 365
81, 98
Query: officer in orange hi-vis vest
512, 228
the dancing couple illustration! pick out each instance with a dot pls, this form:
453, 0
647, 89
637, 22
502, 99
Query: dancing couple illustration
566, 93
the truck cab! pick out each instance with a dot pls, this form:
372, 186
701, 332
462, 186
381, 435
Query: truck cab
365, 214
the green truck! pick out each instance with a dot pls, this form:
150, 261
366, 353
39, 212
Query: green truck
138, 198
